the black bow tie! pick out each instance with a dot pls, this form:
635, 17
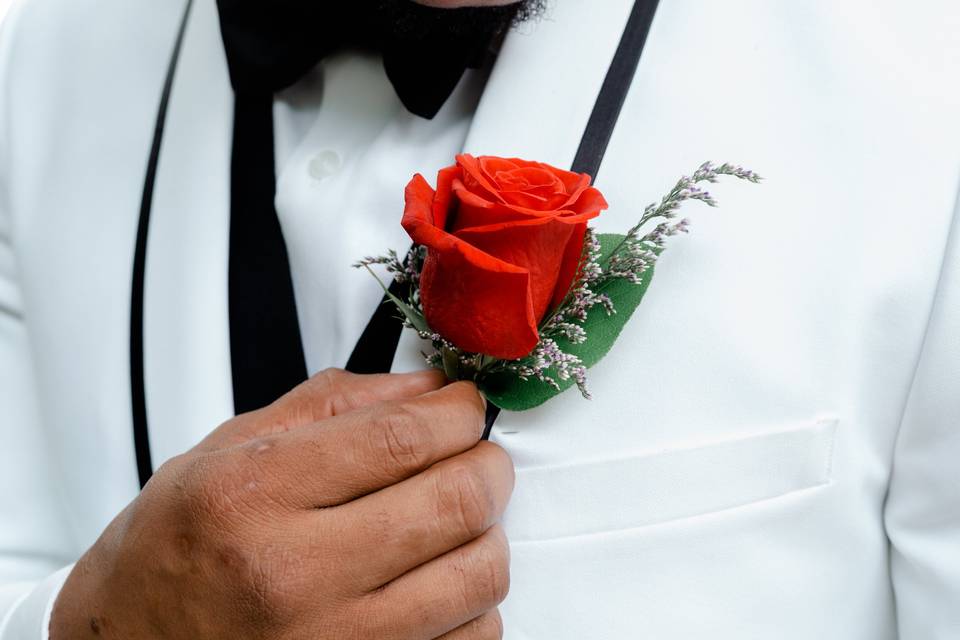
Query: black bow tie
271, 44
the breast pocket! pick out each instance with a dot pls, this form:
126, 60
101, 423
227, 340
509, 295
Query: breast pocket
638, 491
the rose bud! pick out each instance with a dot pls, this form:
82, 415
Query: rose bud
504, 239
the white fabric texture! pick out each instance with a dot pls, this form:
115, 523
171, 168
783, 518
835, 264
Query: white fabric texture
770, 452
923, 506
34, 539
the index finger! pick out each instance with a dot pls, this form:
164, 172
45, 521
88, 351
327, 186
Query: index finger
345, 457
329, 393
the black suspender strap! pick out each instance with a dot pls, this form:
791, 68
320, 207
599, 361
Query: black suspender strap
138, 399
377, 346
613, 92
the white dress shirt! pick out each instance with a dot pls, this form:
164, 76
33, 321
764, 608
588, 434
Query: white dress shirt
771, 448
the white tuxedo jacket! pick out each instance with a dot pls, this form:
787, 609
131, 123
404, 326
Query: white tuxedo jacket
773, 450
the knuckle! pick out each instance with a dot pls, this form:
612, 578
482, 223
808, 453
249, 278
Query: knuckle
315, 398
499, 461
256, 467
255, 449
235, 430
469, 395
330, 378
172, 468
258, 455
491, 574
398, 439
465, 497
197, 483
489, 626
495, 451
330, 386
319, 397
218, 486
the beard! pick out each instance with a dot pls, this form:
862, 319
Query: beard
414, 22
276, 42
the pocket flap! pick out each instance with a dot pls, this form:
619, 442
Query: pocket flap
623, 493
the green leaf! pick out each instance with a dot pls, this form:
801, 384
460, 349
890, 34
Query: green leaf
451, 364
411, 314
508, 392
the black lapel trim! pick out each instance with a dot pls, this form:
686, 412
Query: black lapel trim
141, 441
375, 351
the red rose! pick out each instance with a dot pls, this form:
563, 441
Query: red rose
504, 238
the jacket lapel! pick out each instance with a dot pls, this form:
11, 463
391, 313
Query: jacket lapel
546, 79
560, 60
186, 337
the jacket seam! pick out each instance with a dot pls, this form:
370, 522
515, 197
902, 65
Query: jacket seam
952, 228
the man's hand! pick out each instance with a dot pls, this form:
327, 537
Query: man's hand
353, 507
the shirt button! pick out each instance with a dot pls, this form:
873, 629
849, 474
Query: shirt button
324, 164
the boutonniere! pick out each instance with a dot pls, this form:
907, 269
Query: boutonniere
511, 286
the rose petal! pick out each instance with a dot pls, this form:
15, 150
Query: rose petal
536, 246
574, 182
478, 303
572, 219
474, 210
474, 300
588, 200
442, 200
490, 166
476, 180
529, 179
504, 238
590, 203
418, 212
569, 265
533, 188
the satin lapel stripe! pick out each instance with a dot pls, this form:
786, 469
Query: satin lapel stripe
375, 351
377, 346
141, 441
